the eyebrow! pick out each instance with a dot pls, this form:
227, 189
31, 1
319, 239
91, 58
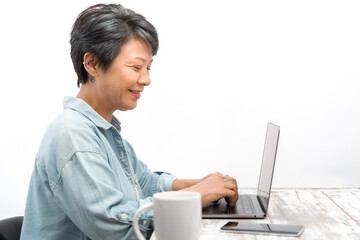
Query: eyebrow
141, 59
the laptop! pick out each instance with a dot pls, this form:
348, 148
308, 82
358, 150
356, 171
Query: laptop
251, 206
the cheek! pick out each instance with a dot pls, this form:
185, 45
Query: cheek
128, 80
123, 85
121, 80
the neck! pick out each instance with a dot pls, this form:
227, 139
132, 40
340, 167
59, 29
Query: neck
88, 95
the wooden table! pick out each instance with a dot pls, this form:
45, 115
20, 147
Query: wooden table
325, 213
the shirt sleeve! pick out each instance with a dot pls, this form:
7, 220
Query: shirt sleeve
88, 193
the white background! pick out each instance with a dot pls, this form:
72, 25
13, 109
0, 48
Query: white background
223, 70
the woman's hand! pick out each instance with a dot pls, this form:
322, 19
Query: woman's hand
216, 186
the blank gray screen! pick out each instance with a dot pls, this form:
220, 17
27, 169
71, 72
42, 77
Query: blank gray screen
269, 155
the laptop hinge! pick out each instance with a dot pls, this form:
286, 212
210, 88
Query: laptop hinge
263, 203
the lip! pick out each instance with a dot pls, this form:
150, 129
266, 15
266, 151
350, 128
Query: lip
135, 93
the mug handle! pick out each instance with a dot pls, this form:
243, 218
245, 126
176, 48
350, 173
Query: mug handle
136, 219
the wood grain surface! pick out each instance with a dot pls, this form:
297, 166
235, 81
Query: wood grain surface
325, 213
331, 213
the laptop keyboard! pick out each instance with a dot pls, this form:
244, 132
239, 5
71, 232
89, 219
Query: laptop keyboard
244, 205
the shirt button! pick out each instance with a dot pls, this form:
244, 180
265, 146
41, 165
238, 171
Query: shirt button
123, 216
136, 181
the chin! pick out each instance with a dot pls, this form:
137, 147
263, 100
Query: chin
126, 108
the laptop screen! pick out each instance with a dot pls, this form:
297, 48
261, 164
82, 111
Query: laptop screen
268, 162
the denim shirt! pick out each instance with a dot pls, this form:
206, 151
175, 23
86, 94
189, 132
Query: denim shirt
87, 182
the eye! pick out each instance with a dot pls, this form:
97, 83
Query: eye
137, 68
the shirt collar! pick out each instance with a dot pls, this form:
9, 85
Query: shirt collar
81, 106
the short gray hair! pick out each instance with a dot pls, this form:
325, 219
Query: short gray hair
102, 30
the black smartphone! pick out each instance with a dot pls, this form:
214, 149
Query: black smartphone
263, 228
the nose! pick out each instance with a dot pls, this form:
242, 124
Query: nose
145, 79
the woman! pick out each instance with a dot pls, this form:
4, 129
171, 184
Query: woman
87, 182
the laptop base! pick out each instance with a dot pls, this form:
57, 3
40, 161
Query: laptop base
246, 207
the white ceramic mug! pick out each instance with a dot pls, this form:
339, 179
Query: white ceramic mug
177, 216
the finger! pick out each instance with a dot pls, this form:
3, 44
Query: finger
232, 198
231, 186
231, 179
228, 193
232, 193
231, 201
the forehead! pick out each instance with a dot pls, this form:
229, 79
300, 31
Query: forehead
135, 48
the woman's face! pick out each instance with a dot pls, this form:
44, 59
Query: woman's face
120, 86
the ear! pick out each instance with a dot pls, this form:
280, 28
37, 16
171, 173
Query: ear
91, 64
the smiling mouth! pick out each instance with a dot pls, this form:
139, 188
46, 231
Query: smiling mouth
136, 92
